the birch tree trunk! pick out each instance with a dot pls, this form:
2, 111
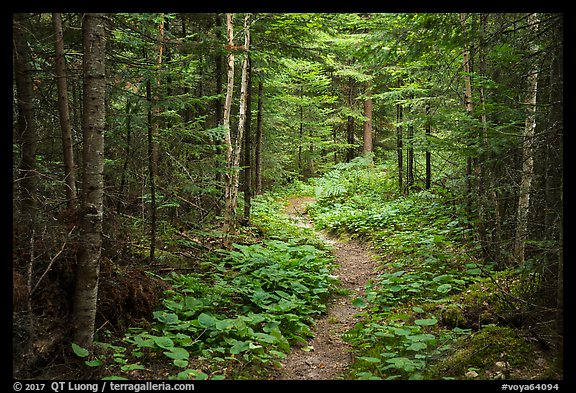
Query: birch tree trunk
469, 109
234, 145
527, 153
93, 124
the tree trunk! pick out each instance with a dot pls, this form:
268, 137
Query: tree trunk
428, 154
410, 157
368, 133
64, 112
399, 144
247, 162
350, 152
258, 137
94, 121
234, 147
153, 98
26, 127
469, 109
527, 155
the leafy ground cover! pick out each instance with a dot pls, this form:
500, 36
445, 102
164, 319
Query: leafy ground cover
236, 315
434, 299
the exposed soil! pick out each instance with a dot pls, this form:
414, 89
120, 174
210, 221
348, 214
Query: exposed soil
326, 356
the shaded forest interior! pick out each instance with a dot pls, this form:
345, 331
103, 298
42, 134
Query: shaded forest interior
152, 151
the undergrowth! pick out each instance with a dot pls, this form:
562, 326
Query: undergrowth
237, 314
433, 291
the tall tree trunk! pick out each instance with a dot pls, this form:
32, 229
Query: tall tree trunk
64, 112
428, 154
399, 144
527, 154
368, 146
247, 162
469, 109
350, 152
258, 137
234, 147
553, 219
228, 208
127, 154
410, 157
26, 128
153, 127
94, 121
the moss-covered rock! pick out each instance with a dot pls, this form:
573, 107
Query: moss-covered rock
492, 352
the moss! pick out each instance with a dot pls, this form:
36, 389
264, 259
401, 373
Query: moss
492, 351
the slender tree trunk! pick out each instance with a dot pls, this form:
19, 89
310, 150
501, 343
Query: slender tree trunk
228, 208
410, 157
399, 144
127, 154
300, 134
234, 147
350, 153
153, 96
554, 168
247, 162
27, 134
469, 109
428, 154
527, 155
94, 121
64, 112
258, 137
368, 146
219, 109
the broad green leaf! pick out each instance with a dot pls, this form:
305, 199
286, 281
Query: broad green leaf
130, 367
79, 351
426, 322
165, 317
239, 346
207, 321
417, 346
444, 288
177, 353
164, 342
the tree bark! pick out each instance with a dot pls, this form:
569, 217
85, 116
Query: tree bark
258, 137
27, 134
247, 161
153, 127
469, 109
368, 146
527, 154
234, 147
399, 144
94, 121
428, 181
64, 112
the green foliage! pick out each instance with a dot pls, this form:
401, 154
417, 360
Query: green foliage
427, 261
246, 307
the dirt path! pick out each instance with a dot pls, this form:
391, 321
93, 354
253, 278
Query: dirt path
326, 356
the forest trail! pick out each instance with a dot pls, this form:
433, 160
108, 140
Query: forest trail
327, 356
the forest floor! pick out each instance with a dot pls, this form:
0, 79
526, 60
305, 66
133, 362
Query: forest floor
327, 356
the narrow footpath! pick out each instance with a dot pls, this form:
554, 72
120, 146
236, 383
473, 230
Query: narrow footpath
327, 356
